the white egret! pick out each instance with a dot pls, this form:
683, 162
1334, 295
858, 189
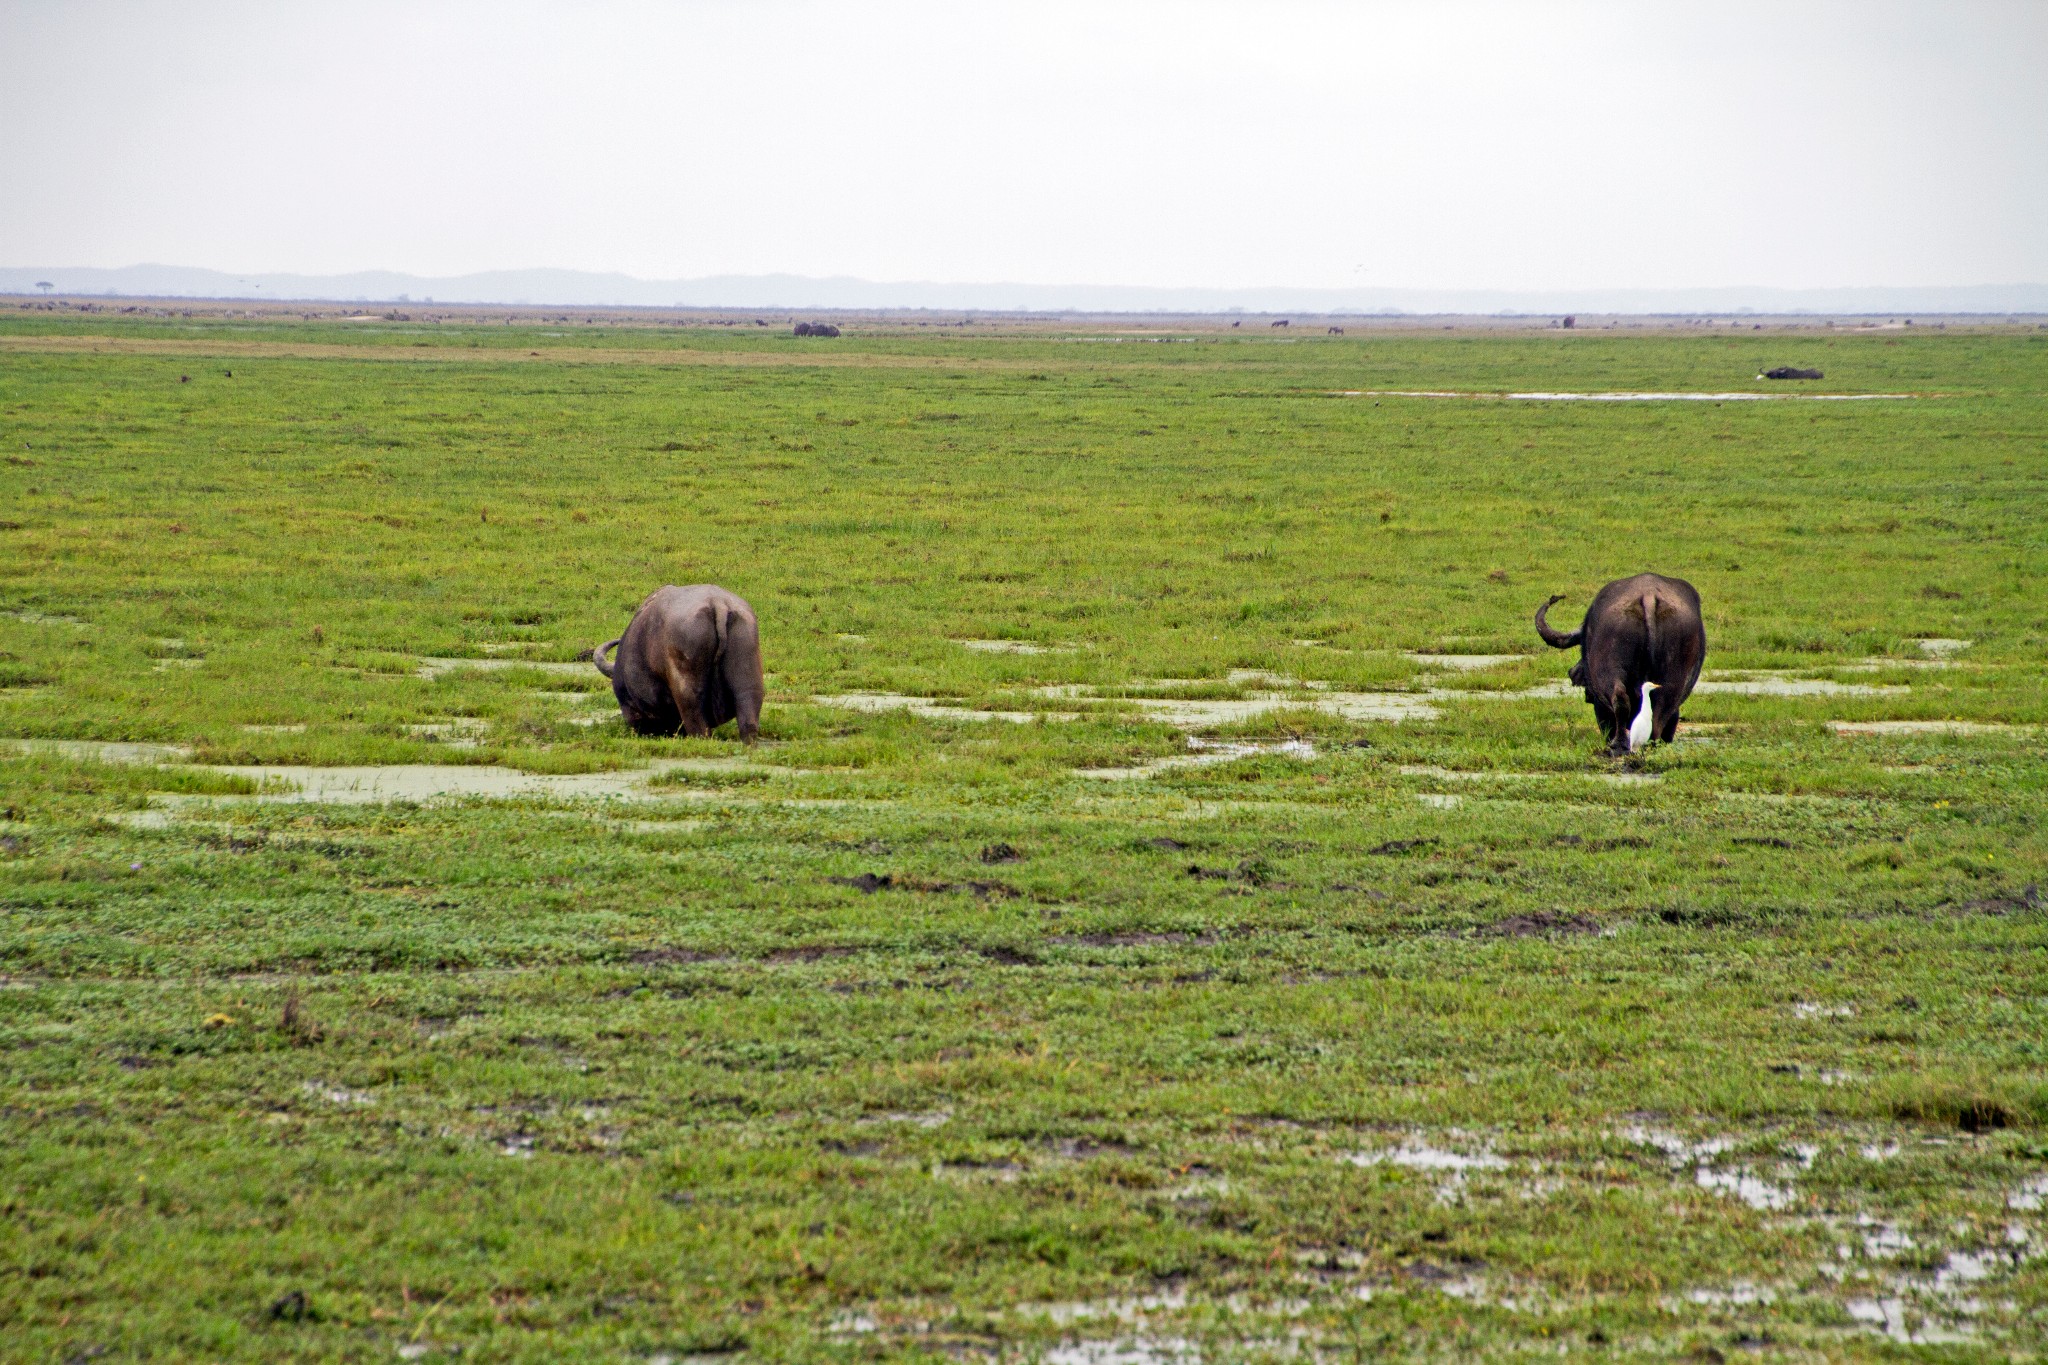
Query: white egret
1639, 728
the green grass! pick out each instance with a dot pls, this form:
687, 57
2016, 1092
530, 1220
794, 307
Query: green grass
555, 1080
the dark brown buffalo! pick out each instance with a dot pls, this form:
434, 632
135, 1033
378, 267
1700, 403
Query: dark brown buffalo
1792, 372
690, 661
1638, 630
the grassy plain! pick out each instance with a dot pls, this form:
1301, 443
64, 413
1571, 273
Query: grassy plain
1442, 1038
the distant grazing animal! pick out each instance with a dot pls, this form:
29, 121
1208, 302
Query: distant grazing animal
1278, 322
1336, 331
689, 662
1570, 321
1639, 728
803, 329
816, 329
1791, 372
1645, 629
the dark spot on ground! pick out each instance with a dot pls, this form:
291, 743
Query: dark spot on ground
2026, 898
1568, 840
1081, 1148
1001, 853
1543, 922
811, 952
1983, 1116
1761, 841
291, 1307
867, 883
1007, 956
1252, 872
861, 1148
1133, 939
1393, 846
651, 957
1429, 1272
1164, 843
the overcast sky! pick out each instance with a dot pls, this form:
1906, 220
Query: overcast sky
1421, 145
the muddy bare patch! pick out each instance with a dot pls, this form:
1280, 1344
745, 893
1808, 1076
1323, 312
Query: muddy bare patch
929, 708
432, 666
1464, 663
1394, 847
672, 957
1016, 647
868, 883
1926, 727
1543, 924
1204, 753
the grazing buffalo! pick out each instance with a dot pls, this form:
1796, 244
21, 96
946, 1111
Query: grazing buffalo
816, 329
689, 662
1792, 372
1645, 629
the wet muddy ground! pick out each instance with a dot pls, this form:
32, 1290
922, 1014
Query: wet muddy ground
1176, 909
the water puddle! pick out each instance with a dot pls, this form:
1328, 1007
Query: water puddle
931, 709
1758, 684
462, 732
1131, 1351
1926, 727
1708, 1174
1903, 1322
101, 750
1015, 647
1465, 663
1448, 1166
1440, 800
930, 1118
337, 1095
296, 729
40, 618
1939, 647
291, 785
1203, 753
431, 667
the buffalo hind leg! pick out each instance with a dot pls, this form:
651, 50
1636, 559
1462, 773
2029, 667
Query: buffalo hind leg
682, 689
1612, 728
1664, 722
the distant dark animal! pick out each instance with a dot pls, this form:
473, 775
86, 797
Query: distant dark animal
816, 329
1570, 321
1792, 372
1645, 629
1336, 331
803, 329
689, 662
1278, 322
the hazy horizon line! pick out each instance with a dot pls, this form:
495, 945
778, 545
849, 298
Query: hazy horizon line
548, 286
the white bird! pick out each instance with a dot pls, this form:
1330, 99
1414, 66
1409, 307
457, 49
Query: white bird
1639, 728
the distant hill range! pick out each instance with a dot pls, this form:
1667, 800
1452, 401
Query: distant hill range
577, 288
